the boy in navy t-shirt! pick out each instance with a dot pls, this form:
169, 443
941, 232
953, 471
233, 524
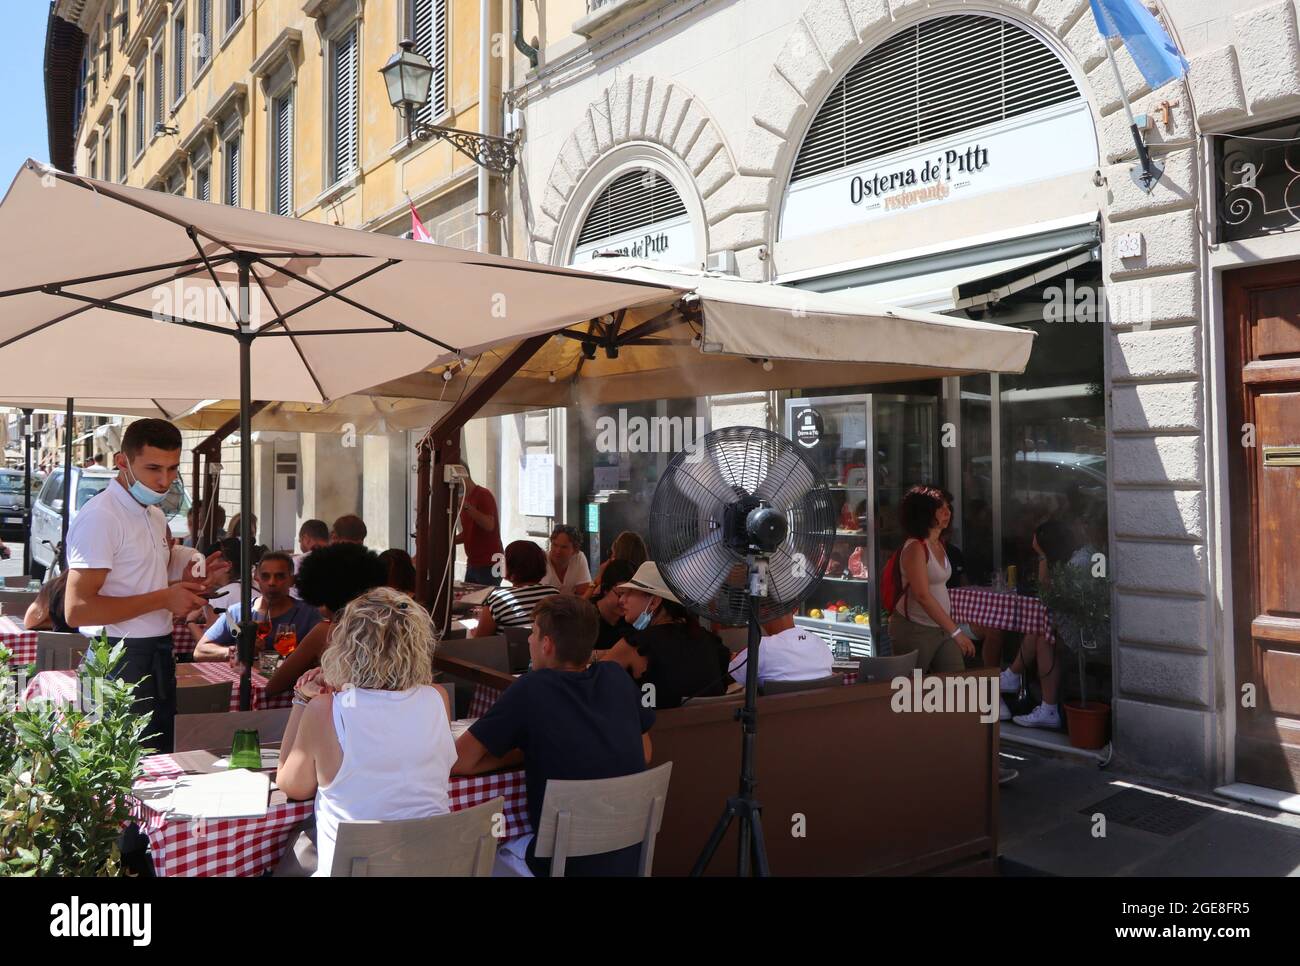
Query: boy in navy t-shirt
564, 720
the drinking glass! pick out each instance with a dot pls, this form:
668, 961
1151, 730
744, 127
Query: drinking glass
263, 630
34, 585
246, 750
286, 639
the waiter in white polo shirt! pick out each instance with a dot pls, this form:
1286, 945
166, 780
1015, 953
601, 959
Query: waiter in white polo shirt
119, 561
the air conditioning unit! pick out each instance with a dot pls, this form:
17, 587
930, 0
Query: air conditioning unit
723, 262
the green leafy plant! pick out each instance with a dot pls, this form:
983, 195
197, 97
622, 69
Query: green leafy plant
1080, 604
66, 773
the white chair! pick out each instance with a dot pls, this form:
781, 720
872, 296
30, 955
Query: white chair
458, 843
593, 817
216, 731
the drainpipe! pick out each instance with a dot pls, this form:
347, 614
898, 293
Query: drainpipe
484, 122
520, 44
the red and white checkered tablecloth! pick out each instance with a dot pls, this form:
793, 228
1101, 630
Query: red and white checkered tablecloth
183, 639
18, 640
1009, 611
250, 846
22, 642
60, 687
484, 698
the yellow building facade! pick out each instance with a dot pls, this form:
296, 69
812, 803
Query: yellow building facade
279, 106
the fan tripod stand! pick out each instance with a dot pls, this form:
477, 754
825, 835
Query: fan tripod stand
744, 806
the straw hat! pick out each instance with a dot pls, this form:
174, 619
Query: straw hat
647, 580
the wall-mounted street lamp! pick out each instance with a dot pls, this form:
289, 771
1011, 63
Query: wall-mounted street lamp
408, 76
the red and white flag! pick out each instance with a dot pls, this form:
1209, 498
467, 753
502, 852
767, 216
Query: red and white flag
418, 231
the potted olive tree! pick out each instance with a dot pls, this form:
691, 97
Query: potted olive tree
1080, 606
66, 773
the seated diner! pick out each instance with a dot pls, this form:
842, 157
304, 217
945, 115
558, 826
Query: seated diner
382, 749
567, 718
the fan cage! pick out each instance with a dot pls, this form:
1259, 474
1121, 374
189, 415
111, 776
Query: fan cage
686, 532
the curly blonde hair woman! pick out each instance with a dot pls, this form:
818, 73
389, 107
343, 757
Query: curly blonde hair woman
369, 734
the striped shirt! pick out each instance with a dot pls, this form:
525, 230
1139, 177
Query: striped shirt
513, 606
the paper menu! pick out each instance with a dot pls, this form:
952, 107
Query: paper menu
238, 793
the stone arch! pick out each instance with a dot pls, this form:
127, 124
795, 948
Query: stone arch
655, 113
831, 35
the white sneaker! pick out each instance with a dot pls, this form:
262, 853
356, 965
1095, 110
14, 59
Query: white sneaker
1005, 713
1043, 716
1009, 682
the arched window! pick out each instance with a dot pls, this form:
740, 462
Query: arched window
946, 110
934, 80
639, 214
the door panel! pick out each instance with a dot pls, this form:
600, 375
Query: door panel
1262, 337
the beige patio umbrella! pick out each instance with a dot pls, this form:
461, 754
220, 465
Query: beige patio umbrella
172, 409
359, 414
109, 291
731, 335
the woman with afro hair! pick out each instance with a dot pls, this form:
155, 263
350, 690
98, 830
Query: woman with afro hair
329, 579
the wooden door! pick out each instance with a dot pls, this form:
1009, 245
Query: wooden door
1262, 336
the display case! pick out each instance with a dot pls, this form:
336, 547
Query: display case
870, 448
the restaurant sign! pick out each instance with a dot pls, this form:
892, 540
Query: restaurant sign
1006, 155
808, 428
671, 241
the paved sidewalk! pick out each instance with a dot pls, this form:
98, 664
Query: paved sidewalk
1151, 829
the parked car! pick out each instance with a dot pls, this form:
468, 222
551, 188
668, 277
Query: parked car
12, 504
47, 510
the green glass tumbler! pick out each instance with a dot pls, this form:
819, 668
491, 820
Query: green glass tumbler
246, 751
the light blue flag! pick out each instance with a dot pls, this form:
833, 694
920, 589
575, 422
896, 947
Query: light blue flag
1155, 54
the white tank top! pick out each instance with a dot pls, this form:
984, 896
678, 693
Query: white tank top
938, 575
397, 758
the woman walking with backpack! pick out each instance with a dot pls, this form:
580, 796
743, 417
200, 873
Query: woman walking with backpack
921, 615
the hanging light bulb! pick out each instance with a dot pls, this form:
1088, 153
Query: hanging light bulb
695, 342
767, 365
447, 374
551, 377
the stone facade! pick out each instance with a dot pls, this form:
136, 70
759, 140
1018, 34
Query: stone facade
1168, 505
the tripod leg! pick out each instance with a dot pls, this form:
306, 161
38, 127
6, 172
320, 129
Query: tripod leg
760, 847
715, 839
745, 840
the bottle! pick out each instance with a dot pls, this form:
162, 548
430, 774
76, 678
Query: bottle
1011, 578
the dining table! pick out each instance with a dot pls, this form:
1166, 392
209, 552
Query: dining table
60, 687
1003, 609
21, 642
184, 845
18, 641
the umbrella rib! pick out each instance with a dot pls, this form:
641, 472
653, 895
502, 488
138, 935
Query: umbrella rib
76, 312
281, 318
297, 348
29, 289
139, 313
234, 316
400, 327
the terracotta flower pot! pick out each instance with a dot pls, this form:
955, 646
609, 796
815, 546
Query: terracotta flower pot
1087, 723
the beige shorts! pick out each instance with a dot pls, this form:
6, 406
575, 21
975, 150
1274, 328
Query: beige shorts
938, 653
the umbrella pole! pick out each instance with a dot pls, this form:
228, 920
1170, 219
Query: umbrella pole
27, 491
67, 486
247, 628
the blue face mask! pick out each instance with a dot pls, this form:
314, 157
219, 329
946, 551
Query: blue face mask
143, 495
642, 620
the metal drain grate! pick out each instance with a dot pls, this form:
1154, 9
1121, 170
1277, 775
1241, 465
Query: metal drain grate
1147, 812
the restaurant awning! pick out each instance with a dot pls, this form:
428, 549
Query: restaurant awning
730, 335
